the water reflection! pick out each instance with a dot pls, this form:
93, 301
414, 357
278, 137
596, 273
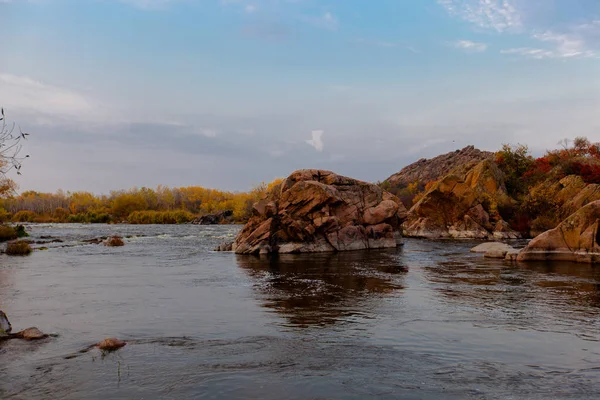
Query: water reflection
528, 295
321, 289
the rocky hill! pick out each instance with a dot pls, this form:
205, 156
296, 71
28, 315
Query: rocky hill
427, 170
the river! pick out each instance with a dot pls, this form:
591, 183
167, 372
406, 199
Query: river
427, 321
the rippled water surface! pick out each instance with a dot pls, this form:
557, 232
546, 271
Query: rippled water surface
429, 321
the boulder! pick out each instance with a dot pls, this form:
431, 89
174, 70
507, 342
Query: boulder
491, 246
110, 344
30, 334
320, 211
463, 204
574, 239
221, 217
512, 255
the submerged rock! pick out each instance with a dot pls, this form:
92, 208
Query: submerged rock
110, 344
576, 239
225, 246
320, 211
114, 241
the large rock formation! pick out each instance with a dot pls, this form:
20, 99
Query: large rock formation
464, 204
319, 211
424, 170
575, 239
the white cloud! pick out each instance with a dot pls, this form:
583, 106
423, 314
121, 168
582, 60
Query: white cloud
211, 133
325, 21
316, 141
499, 15
470, 46
26, 94
563, 46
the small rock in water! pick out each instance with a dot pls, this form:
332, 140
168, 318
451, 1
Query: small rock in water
111, 344
114, 241
5, 326
512, 255
491, 246
225, 246
31, 334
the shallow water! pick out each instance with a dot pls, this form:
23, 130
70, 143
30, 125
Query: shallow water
428, 321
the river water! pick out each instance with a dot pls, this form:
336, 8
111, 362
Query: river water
428, 321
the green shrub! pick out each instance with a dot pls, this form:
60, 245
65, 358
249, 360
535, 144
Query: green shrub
21, 232
18, 248
7, 233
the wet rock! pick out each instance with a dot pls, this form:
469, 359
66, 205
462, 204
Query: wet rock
320, 211
5, 326
95, 240
512, 255
225, 246
30, 334
491, 246
114, 241
576, 239
111, 344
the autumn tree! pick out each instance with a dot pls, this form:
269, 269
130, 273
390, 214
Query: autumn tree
10, 149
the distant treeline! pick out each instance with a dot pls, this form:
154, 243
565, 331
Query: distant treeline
162, 205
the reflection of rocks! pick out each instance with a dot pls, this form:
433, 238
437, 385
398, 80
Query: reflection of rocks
531, 295
324, 288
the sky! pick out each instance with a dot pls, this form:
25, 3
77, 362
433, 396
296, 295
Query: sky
229, 93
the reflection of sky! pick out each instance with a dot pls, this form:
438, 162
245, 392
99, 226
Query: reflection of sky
227, 93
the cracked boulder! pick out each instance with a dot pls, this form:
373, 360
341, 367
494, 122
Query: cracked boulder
576, 239
319, 211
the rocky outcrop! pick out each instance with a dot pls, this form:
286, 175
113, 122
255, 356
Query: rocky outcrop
574, 239
424, 170
221, 217
463, 204
319, 211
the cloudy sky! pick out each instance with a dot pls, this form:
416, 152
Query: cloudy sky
229, 93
